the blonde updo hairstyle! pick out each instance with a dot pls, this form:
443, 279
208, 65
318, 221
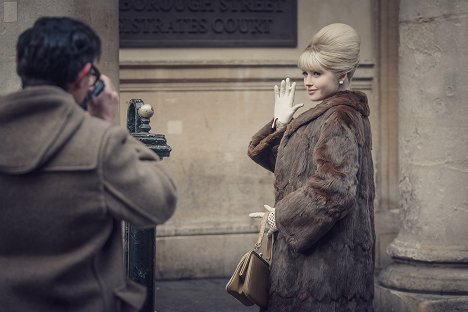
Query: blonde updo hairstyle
335, 48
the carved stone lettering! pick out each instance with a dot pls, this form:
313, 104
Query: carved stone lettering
205, 23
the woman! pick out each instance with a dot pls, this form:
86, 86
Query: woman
323, 257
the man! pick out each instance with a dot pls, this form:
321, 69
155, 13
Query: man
68, 178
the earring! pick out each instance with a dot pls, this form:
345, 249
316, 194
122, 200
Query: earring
340, 82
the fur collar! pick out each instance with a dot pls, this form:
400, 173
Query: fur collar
355, 99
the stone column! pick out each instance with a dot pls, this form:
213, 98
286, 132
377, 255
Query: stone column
430, 253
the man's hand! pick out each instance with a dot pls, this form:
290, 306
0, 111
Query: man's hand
271, 218
106, 104
284, 99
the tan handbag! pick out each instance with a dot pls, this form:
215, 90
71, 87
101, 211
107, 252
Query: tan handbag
250, 281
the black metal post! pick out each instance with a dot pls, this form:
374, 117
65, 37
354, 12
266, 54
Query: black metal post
140, 245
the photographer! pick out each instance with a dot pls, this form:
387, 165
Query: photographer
68, 178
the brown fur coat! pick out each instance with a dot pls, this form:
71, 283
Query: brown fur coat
323, 258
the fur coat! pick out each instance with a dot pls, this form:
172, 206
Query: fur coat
323, 257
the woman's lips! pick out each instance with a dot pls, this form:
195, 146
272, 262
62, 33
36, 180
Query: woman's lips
311, 91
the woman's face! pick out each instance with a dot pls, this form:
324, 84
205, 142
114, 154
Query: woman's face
320, 84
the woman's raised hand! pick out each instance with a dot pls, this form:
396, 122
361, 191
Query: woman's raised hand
284, 100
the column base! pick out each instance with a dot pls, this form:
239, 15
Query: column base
390, 300
422, 287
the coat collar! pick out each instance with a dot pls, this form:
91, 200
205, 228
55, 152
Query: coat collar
355, 99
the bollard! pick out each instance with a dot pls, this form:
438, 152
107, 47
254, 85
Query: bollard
140, 245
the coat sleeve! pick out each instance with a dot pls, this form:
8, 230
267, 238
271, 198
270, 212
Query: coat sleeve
308, 213
263, 147
136, 187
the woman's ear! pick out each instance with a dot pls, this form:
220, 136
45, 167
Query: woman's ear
342, 76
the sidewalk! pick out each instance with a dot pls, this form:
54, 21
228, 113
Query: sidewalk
197, 295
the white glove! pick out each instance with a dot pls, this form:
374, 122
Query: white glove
271, 218
284, 99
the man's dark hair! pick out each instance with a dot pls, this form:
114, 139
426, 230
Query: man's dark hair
54, 50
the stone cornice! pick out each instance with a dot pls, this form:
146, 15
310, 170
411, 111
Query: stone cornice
140, 76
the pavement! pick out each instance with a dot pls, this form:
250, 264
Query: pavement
196, 295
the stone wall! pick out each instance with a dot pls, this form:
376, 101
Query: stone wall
210, 101
17, 16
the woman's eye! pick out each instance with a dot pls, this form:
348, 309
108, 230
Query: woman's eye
312, 73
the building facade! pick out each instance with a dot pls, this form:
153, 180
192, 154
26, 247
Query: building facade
209, 101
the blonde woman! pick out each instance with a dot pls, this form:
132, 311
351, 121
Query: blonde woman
323, 218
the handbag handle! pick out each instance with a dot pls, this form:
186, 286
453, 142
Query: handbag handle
261, 233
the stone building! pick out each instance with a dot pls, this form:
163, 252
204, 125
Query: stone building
210, 100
